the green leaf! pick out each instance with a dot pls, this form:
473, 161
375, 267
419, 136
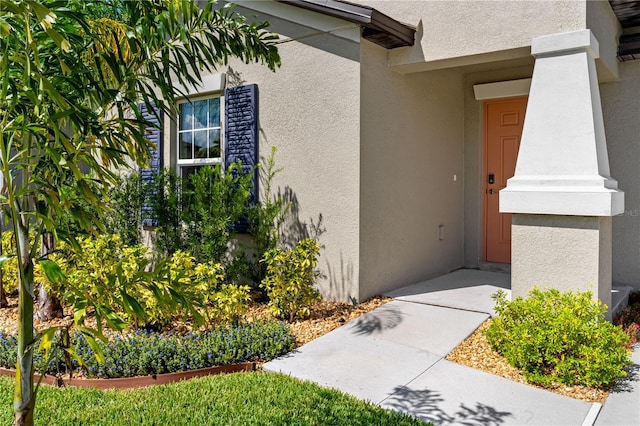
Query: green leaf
52, 270
60, 41
91, 335
75, 356
80, 311
133, 305
4, 28
46, 340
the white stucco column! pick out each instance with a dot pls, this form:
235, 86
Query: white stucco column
562, 194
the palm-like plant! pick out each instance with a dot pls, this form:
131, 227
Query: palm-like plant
69, 118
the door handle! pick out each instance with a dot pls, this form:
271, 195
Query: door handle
490, 191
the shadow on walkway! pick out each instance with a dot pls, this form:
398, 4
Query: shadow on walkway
376, 321
425, 404
626, 384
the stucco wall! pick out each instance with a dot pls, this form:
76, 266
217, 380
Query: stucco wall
454, 33
411, 149
605, 27
621, 110
570, 253
309, 109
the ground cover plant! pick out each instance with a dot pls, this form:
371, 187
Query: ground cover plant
554, 337
147, 352
234, 399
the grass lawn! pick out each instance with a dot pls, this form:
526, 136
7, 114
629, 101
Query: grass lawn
234, 399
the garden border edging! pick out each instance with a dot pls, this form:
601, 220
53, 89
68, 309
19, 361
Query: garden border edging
137, 381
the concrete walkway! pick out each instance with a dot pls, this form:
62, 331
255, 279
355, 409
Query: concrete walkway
394, 357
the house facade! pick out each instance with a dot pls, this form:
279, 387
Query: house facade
421, 137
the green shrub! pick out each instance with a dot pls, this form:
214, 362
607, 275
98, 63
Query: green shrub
559, 337
290, 277
124, 215
202, 282
266, 216
105, 272
166, 203
147, 352
99, 270
196, 214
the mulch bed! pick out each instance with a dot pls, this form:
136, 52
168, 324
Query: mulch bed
325, 317
474, 352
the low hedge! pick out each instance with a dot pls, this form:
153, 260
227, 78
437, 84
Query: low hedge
554, 337
147, 352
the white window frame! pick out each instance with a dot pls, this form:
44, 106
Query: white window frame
196, 162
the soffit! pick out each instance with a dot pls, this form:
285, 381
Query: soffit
628, 14
375, 26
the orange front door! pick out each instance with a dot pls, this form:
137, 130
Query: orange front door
503, 130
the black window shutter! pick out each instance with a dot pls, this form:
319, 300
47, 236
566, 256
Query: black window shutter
241, 136
147, 175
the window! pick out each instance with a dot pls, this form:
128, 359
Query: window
199, 134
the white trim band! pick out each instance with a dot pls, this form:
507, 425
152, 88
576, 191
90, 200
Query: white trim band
502, 89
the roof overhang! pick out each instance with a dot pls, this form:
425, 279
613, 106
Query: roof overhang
628, 14
629, 47
375, 26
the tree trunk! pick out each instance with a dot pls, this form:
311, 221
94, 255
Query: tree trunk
49, 306
24, 397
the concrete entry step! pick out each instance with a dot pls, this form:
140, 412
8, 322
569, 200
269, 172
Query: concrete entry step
471, 290
620, 297
464, 289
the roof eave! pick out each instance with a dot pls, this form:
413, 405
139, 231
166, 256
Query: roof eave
375, 26
629, 48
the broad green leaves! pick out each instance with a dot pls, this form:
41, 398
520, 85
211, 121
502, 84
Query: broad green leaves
290, 277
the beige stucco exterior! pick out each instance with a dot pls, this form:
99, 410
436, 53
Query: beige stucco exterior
622, 124
385, 148
540, 256
313, 118
411, 173
460, 33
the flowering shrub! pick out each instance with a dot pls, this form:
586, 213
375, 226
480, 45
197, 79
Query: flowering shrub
559, 337
629, 318
147, 352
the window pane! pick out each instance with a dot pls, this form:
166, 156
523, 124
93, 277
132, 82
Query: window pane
200, 144
214, 143
186, 116
185, 145
200, 109
214, 112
